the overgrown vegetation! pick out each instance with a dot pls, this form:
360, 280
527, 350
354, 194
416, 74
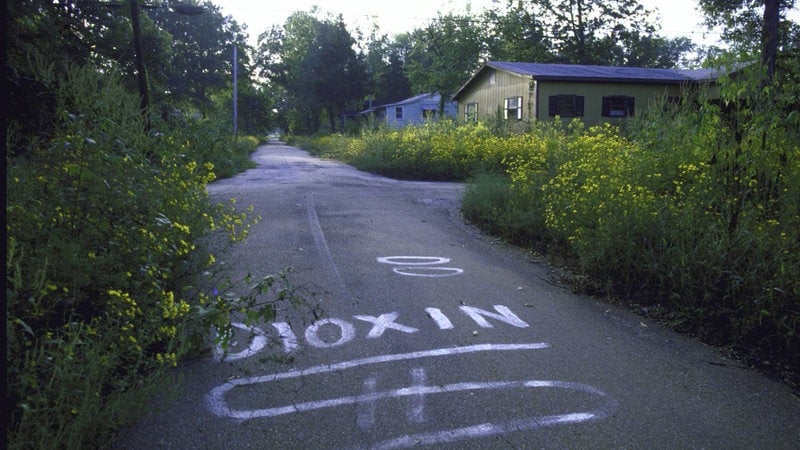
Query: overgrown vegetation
692, 213
104, 230
113, 262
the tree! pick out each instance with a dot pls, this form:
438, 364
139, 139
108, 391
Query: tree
588, 31
517, 34
444, 54
385, 61
46, 38
603, 32
281, 51
332, 70
186, 57
315, 62
741, 21
647, 50
201, 51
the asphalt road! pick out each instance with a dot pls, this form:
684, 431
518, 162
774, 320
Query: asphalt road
436, 336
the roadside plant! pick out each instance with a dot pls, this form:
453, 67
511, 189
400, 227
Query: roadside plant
108, 227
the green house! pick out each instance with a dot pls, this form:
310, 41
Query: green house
596, 94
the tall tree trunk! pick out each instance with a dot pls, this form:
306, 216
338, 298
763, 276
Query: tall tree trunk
769, 36
332, 120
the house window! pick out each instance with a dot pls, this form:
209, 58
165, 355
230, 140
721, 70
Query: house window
471, 112
618, 106
566, 106
429, 113
513, 108
492, 78
398, 112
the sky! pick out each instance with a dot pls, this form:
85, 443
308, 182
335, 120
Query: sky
678, 17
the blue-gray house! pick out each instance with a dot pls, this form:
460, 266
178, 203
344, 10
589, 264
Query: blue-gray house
412, 111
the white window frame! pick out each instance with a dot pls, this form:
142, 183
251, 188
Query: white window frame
517, 103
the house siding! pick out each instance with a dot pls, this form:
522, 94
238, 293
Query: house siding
590, 86
593, 93
412, 111
491, 98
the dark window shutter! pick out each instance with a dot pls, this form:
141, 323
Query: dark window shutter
579, 106
553, 105
606, 106
631, 103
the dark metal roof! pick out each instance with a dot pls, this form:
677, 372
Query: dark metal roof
599, 74
576, 72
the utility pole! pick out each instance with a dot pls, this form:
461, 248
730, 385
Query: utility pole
141, 74
235, 92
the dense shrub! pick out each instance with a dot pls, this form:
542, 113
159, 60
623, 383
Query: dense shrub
103, 226
210, 141
435, 151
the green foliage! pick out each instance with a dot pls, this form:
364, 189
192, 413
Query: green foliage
188, 58
487, 204
314, 61
104, 226
443, 55
384, 57
439, 150
200, 50
517, 35
621, 33
210, 143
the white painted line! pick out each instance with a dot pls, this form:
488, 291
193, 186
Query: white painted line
216, 398
491, 429
522, 424
419, 390
411, 391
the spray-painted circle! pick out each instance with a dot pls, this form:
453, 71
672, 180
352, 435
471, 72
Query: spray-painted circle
413, 260
430, 272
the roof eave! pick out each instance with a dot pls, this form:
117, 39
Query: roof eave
611, 80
